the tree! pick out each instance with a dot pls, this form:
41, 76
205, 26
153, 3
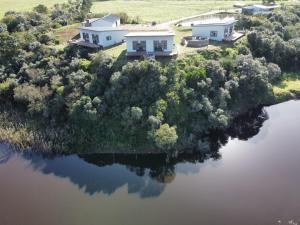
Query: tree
3, 27
274, 72
101, 64
165, 137
32, 96
41, 9
9, 47
83, 110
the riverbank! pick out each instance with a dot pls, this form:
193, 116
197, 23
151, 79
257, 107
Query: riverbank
75, 100
288, 88
25, 133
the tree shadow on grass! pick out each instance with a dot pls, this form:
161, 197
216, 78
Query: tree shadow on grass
121, 60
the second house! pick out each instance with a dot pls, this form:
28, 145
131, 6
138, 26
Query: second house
155, 43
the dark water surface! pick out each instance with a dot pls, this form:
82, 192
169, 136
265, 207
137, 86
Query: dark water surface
253, 181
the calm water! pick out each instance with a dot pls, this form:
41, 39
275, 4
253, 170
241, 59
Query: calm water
252, 180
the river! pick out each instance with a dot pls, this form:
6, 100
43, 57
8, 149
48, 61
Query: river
252, 179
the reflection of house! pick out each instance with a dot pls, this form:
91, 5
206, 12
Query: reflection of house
258, 9
150, 43
215, 29
101, 32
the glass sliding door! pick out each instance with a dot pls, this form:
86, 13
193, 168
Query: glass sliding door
95, 38
86, 37
160, 46
139, 46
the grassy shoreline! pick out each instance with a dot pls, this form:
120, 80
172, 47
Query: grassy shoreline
288, 88
25, 133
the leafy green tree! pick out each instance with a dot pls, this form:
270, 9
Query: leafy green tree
41, 9
83, 110
3, 27
9, 47
165, 137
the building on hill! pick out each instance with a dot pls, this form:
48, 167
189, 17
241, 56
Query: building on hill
216, 29
151, 44
101, 32
106, 21
258, 9
101, 37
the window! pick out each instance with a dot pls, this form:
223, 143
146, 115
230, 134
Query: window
108, 38
157, 46
160, 46
139, 46
226, 32
86, 37
231, 29
164, 44
213, 33
95, 39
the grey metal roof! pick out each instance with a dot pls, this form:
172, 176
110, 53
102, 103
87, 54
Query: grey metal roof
102, 29
111, 18
150, 34
215, 21
108, 18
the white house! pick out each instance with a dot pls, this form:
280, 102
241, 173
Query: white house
102, 36
101, 32
216, 29
106, 21
156, 43
258, 9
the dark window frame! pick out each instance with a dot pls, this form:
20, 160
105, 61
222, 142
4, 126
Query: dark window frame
86, 37
213, 33
139, 46
95, 38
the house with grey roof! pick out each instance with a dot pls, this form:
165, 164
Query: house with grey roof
101, 32
259, 9
216, 29
151, 44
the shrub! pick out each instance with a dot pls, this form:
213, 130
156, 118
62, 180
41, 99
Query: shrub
41, 9
165, 137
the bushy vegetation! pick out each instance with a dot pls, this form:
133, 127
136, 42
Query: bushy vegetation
276, 37
93, 104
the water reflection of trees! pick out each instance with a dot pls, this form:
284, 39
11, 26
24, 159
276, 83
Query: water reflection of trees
242, 127
146, 175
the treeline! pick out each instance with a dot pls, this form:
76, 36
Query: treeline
144, 105
276, 37
42, 19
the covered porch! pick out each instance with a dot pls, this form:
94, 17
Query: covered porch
234, 36
85, 44
154, 54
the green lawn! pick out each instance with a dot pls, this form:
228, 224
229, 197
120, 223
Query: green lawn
24, 5
147, 10
160, 11
155, 10
287, 87
66, 33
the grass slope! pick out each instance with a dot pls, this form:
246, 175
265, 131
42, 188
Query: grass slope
161, 11
288, 87
24, 5
154, 10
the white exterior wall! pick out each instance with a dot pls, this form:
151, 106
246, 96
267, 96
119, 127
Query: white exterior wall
117, 36
149, 43
204, 31
104, 23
